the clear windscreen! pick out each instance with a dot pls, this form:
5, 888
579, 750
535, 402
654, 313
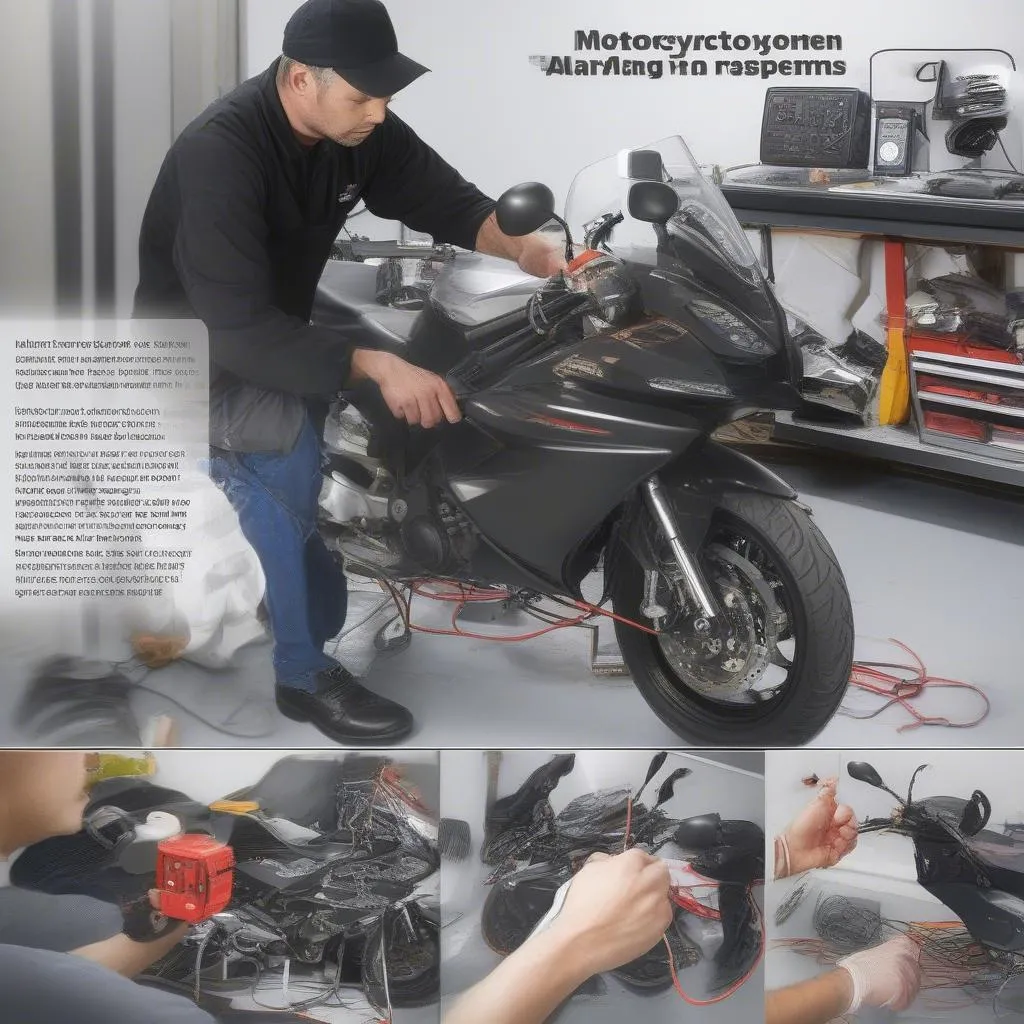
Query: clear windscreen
602, 190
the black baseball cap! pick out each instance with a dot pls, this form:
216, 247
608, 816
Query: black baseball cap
356, 39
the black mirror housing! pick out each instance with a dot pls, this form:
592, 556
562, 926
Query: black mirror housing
525, 208
654, 202
863, 772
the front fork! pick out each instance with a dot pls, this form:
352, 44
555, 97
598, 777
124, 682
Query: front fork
693, 578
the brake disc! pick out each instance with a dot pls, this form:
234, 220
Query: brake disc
732, 661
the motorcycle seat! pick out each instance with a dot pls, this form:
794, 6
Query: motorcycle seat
346, 297
1002, 855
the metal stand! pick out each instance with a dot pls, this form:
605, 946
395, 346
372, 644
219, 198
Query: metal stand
606, 659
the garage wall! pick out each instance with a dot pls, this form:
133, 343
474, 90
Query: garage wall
500, 119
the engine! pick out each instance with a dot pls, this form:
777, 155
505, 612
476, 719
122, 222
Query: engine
377, 525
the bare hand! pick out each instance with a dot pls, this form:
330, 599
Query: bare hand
412, 394
616, 909
540, 257
822, 833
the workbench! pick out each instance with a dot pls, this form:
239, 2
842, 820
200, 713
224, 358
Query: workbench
896, 220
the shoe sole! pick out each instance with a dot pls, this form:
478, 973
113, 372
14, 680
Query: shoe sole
388, 737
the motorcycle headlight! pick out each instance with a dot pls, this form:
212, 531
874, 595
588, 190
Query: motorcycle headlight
614, 293
730, 328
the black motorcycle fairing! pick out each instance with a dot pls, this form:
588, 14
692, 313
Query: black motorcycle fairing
516, 904
742, 938
768, 371
527, 808
729, 851
651, 972
995, 918
699, 482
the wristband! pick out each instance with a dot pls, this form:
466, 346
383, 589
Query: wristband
782, 857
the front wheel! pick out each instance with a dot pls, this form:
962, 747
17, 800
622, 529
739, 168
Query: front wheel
779, 672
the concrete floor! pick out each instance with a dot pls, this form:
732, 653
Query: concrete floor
928, 562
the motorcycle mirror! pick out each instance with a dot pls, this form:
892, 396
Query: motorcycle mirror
523, 209
698, 833
652, 201
863, 772
656, 763
976, 814
668, 787
645, 165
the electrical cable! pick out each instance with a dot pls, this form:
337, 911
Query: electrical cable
1002, 146
740, 982
868, 676
469, 595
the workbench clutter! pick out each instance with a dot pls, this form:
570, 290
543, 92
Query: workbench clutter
890, 221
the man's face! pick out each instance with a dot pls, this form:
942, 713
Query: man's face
42, 793
343, 114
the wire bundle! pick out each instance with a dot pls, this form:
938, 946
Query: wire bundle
951, 958
847, 925
684, 893
902, 685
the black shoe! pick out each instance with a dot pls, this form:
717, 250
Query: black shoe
345, 710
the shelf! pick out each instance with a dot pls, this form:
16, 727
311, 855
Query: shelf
930, 219
970, 403
934, 369
898, 444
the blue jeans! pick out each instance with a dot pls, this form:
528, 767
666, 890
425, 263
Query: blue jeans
275, 497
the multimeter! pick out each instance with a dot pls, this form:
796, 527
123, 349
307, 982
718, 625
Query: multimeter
896, 129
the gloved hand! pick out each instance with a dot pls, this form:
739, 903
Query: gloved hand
820, 836
886, 976
143, 921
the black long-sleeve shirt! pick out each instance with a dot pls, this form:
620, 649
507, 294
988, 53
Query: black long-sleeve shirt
238, 229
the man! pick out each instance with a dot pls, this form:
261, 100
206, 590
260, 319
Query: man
237, 231
66, 958
887, 975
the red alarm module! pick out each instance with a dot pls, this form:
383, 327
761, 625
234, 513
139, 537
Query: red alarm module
194, 874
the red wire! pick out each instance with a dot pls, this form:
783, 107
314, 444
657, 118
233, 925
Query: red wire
732, 988
900, 690
672, 960
466, 595
865, 676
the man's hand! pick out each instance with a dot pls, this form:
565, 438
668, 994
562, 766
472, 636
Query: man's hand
412, 394
616, 909
887, 976
143, 921
147, 936
819, 837
540, 257
535, 254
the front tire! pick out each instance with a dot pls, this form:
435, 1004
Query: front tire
819, 618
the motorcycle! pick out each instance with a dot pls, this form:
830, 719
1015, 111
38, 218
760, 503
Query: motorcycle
330, 859
535, 852
589, 405
974, 871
